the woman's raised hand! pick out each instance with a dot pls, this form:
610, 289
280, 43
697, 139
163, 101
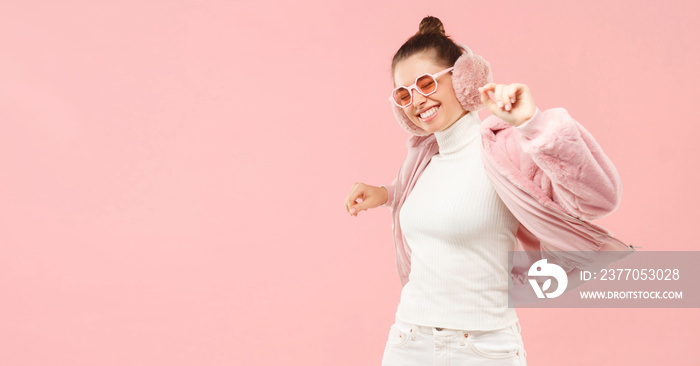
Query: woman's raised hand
369, 196
513, 103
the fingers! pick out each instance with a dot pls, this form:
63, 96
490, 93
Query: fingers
489, 86
351, 199
504, 95
509, 96
357, 192
498, 94
485, 98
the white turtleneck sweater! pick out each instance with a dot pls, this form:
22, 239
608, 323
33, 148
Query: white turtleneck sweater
459, 232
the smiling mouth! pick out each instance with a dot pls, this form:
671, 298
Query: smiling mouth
429, 114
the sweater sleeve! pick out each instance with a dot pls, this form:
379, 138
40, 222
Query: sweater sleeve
574, 170
390, 189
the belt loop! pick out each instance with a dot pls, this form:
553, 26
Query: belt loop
517, 325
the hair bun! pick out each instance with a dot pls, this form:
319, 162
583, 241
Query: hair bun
431, 24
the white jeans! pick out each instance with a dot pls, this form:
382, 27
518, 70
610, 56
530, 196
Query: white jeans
411, 344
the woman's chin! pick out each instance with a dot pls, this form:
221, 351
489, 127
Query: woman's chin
429, 127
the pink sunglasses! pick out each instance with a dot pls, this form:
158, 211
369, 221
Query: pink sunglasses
425, 84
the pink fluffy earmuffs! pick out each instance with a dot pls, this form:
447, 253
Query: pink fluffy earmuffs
470, 72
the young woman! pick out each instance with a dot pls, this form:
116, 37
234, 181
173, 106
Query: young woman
477, 191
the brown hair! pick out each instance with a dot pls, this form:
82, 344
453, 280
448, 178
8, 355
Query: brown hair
430, 37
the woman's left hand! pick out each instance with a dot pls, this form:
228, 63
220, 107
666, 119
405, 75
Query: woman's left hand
513, 103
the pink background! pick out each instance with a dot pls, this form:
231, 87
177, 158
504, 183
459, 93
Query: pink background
174, 172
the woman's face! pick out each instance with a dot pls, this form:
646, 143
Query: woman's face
449, 110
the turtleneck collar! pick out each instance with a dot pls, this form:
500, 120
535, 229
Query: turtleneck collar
462, 133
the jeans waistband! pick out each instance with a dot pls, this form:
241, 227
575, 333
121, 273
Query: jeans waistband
433, 330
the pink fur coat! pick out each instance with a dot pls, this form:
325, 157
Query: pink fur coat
550, 173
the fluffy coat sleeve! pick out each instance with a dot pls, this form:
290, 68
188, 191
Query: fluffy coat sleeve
563, 159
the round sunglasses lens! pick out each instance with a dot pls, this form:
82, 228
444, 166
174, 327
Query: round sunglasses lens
402, 96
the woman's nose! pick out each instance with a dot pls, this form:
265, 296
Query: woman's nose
418, 99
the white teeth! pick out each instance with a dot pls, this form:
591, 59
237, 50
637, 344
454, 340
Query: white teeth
429, 112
